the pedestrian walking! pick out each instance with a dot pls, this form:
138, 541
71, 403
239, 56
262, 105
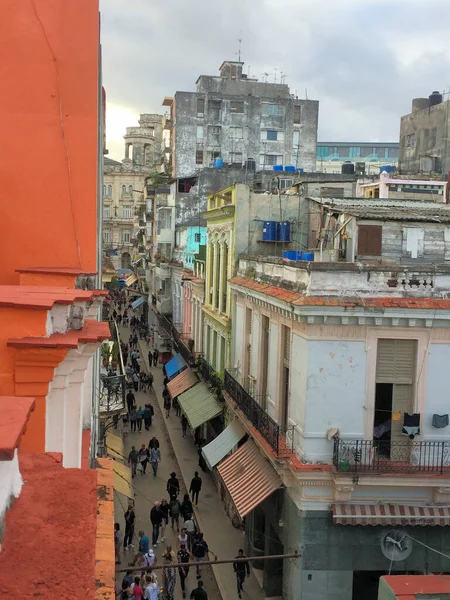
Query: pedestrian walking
155, 459
189, 525
150, 380
148, 560
200, 551
148, 414
186, 507
173, 486
184, 556
140, 418
241, 569
130, 519
169, 575
133, 460
138, 592
195, 487
133, 419
164, 508
199, 593
167, 405
118, 539
126, 423
144, 455
176, 406
135, 381
156, 520
183, 538
155, 357
184, 424
150, 358
175, 513
154, 443
130, 400
151, 587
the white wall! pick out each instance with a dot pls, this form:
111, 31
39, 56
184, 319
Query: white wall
255, 342
238, 337
438, 384
272, 376
297, 386
11, 483
335, 394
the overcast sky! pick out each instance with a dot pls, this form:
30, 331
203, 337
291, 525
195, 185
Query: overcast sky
364, 60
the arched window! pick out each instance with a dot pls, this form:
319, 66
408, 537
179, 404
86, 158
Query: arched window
124, 189
110, 190
104, 190
130, 190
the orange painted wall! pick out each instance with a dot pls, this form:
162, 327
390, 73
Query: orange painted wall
47, 280
49, 125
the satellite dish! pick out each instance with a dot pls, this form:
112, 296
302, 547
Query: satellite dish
396, 545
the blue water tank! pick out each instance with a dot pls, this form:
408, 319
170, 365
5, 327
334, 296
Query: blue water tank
293, 254
269, 231
218, 163
284, 231
300, 170
308, 256
278, 168
388, 168
290, 169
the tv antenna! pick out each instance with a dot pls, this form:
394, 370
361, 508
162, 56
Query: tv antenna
275, 76
266, 75
239, 50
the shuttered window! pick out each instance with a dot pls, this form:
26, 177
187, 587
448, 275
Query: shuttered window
369, 240
287, 347
402, 402
396, 361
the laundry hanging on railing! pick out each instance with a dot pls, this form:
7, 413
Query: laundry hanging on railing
411, 425
440, 421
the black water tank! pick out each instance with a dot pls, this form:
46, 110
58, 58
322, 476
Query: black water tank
435, 98
348, 168
250, 164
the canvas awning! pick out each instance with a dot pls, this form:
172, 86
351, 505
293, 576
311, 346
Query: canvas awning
131, 279
138, 302
114, 447
175, 365
182, 382
199, 405
216, 450
122, 479
390, 514
248, 477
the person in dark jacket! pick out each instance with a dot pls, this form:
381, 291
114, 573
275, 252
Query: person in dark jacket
186, 508
156, 517
154, 443
130, 400
173, 486
130, 519
184, 424
241, 569
195, 487
148, 414
155, 357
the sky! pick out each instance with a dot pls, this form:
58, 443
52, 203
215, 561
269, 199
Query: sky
364, 60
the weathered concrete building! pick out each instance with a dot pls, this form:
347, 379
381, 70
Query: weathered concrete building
368, 157
424, 133
234, 118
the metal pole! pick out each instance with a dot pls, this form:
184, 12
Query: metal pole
211, 562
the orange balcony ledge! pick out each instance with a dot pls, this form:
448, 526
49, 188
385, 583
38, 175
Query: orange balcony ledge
15, 412
92, 333
43, 297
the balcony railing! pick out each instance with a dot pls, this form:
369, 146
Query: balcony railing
279, 439
384, 456
208, 373
112, 394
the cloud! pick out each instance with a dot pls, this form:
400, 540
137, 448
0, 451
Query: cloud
364, 60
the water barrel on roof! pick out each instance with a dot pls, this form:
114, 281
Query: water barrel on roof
269, 231
284, 231
218, 163
435, 98
348, 168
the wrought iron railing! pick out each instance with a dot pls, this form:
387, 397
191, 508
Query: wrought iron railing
384, 456
112, 393
279, 439
208, 373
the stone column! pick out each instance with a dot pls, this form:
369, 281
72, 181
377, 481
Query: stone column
222, 268
87, 395
73, 421
214, 276
54, 413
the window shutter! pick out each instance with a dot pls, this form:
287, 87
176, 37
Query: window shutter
402, 401
396, 361
370, 240
287, 346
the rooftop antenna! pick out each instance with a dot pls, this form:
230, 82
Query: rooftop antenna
275, 76
239, 51
306, 94
266, 75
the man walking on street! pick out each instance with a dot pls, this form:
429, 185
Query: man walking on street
133, 460
241, 569
148, 414
155, 457
184, 556
143, 458
130, 400
173, 486
130, 519
199, 593
156, 518
196, 486
155, 357
200, 551
184, 424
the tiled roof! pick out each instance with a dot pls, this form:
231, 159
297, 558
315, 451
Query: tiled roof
298, 299
56, 271
15, 412
92, 332
33, 296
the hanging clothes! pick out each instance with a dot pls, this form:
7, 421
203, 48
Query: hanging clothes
440, 421
411, 425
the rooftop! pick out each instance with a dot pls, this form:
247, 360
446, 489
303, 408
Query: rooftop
407, 586
15, 412
109, 161
388, 209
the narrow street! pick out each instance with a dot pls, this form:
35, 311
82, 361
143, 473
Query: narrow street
180, 455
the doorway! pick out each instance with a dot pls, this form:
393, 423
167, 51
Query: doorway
383, 419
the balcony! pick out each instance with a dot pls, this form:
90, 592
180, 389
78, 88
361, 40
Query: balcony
209, 374
112, 394
385, 456
141, 272
280, 440
164, 305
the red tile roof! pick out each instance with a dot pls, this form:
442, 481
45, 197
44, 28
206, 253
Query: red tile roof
298, 299
405, 585
92, 332
44, 297
55, 271
15, 412
55, 520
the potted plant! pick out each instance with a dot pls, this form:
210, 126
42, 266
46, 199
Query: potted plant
115, 354
106, 354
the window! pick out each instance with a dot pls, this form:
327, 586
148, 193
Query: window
236, 158
106, 212
272, 135
322, 151
130, 190
410, 140
297, 114
236, 133
270, 159
200, 107
213, 155
370, 240
106, 235
354, 152
285, 183
214, 135
109, 191
126, 236
296, 139
197, 237
165, 219
199, 132
124, 189
272, 110
199, 157
214, 109
236, 106
165, 250
104, 190
127, 212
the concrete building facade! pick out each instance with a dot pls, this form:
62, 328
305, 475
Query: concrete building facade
235, 118
368, 157
424, 136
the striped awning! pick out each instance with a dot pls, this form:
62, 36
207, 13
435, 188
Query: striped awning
199, 405
182, 382
390, 514
131, 279
249, 477
138, 302
114, 447
122, 479
216, 450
